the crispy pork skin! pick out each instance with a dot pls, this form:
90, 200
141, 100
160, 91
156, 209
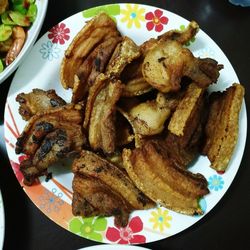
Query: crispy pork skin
154, 174
223, 125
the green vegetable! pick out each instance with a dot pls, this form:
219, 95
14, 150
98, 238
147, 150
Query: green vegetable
1, 66
20, 8
6, 18
19, 19
19, 13
17, 1
5, 32
32, 12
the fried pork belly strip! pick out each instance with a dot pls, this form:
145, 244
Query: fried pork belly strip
100, 111
167, 62
37, 101
102, 130
92, 34
92, 197
112, 178
125, 53
186, 110
94, 64
154, 174
57, 145
47, 121
223, 125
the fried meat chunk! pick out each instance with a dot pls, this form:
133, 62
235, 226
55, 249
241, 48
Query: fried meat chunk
181, 36
42, 123
99, 29
147, 118
57, 145
167, 62
92, 197
132, 76
126, 51
102, 130
187, 111
37, 101
100, 110
94, 64
107, 184
154, 174
222, 127
48, 137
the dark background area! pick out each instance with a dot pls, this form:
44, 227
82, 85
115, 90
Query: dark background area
227, 225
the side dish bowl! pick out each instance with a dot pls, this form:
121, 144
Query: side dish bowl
32, 35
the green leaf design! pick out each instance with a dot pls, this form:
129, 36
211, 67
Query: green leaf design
89, 228
95, 236
112, 10
75, 225
100, 224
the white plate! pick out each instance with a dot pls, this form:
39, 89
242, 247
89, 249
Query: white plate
41, 70
31, 38
1, 221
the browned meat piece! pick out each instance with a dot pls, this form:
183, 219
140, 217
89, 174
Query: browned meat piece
92, 34
37, 101
95, 64
154, 174
125, 52
103, 96
107, 182
181, 36
187, 115
132, 76
223, 125
45, 122
92, 197
167, 62
102, 130
57, 145
147, 118
180, 155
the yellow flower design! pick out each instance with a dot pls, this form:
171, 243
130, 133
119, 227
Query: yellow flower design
161, 219
133, 15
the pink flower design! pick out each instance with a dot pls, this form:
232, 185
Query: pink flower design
16, 167
127, 235
59, 33
156, 20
